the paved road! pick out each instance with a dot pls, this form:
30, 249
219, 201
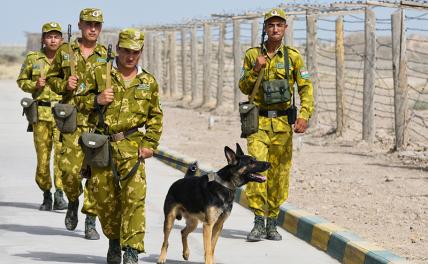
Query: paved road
31, 236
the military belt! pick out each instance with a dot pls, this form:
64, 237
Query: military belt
273, 113
122, 135
43, 103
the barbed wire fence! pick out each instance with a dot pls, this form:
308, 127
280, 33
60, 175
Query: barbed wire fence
370, 73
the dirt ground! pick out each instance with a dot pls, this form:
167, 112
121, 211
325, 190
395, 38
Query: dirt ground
378, 195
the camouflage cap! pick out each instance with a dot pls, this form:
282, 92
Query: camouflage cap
91, 14
51, 26
275, 12
131, 38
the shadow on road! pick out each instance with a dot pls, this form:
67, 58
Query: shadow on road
44, 256
27, 206
20, 205
39, 230
408, 167
153, 258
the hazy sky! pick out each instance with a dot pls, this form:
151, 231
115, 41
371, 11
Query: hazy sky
20, 16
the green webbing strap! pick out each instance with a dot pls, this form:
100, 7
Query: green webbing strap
259, 78
287, 71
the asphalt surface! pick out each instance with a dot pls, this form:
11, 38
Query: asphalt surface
28, 235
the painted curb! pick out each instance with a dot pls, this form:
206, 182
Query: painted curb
339, 243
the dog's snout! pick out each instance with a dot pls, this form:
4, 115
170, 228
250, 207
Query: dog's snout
267, 165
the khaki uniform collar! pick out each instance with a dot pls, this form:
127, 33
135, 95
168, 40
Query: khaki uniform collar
139, 69
280, 49
75, 45
118, 76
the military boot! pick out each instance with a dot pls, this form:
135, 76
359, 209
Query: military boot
259, 231
59, 202
71, 215
90, 231
271, 232
130, 256
47, 202
114, 254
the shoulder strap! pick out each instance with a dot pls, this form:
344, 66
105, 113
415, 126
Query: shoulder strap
259, 80
108, 75
100, 109
72, 60
286, 63
287, 72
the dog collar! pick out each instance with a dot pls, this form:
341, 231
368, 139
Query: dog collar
213, 176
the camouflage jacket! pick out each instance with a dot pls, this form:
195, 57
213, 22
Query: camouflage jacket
60, 71
34, 65
134, 106
275, 69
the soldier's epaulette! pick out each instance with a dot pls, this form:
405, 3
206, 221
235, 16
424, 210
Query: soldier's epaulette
253, 48
293, 49
64, 46
32, 54
146, 74
101, 49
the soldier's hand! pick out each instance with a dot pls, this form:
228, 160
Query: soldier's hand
105, 97
72, 83
260, 63
145, 153
41, 82
300, 126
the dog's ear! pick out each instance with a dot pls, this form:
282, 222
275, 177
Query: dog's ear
230, 156
239, 151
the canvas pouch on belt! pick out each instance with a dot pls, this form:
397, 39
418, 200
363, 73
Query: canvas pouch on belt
249, 114
96, 149
65, 116
29, 107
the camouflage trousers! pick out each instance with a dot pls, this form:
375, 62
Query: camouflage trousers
275, 147
121, 211
70, 165
45, 136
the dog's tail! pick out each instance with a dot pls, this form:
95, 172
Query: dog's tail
191, 170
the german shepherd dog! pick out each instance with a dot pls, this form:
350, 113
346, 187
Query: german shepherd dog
209, 199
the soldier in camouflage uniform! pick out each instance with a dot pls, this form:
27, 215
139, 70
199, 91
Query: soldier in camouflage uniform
273, 140
132, 102
87, 52
32, 80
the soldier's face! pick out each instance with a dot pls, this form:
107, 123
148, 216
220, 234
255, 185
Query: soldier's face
275, 28
128, 58
90, 30
52, 40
